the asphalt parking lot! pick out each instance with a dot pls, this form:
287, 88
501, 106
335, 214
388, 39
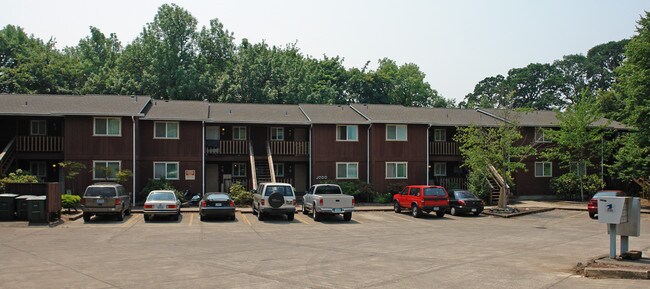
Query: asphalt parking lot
374, 250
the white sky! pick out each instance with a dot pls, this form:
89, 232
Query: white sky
456, 43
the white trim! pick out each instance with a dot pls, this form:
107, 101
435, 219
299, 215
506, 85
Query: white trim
240, 127
119, 119
406, 134
347, 164
279, 128
119, 164
347, 126
178, 129
31, 126
406, 170
539, 130
435, 171
443, 133
178, 173
542, 175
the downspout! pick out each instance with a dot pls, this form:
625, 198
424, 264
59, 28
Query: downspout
134, 155
310, 153
203, 160
427, 164
368, 154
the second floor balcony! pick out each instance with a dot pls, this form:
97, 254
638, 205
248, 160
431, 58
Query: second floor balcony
241, 147
38, 143
440, 148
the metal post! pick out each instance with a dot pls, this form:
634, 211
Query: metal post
625, 244
612, 241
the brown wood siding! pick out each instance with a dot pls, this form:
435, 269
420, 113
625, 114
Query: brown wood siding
327, 151
413, 151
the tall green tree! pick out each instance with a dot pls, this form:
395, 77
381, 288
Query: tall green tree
216, 50
491, 92
97, 57
632, 162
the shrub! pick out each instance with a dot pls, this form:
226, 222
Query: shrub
396, 187
19, 176
160, 184
384, 198
70, 202
240, 195
477, 183
361, 191
567, 186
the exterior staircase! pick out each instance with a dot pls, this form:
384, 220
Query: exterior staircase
496, 178
261, 167
7, 157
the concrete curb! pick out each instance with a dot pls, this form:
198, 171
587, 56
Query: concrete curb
617, 273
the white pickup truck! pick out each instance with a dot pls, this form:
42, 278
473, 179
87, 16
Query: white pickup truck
327, 199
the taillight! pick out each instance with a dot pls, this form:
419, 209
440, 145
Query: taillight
148, 206
83, 201
118, 201
293, 202
203, 204
232, 203
461, 202
171, 206
353, 201
262, 202
320, 202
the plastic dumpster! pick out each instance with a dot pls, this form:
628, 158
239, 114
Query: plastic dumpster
36, 211
7, 206
21, 207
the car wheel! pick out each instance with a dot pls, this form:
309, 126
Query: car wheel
304, 210
260, 216
440, 214
347, 216
592, 215
120, 216
87, 217
415, 210
453, 211
476, 213
202, 218
290, 216
253, 209
177, 216
147, 218
397, 208
232, 218
315, 215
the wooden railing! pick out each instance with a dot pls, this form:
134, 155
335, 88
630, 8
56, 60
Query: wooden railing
450, 182
7, 156
444, 148
290, 148
34, 143
251, 157
226, 147
285, 180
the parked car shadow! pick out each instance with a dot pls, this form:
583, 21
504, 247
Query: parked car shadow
164, 219
220, 220
109, 219
336, 219
279, 219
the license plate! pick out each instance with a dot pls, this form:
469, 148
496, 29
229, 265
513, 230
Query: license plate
159, 206
436, 208
338, 210
218, 204
473, 210
100, 201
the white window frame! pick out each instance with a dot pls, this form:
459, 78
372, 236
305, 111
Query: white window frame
166, 124
406, 170
440, 169
119, 167
238, 136
237, 175
41, 169
37, 123
119, 123
440, 135
541, 174
279, 172
277, 133
347, 131
406, 132
347, 170
166, 173
540, 136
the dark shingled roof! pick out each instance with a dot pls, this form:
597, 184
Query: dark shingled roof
381, 113
543, 118
187, 110
43, 104
256, 113
332, 114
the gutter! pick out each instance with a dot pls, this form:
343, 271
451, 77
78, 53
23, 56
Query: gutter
368, 143
134, 161
427, 164
203, 157
311, 126
493, 116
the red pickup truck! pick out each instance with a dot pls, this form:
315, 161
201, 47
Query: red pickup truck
422, 198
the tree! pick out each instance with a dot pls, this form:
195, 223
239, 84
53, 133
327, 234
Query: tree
97, 57
491, 92
602, 61
500, 147
216, 51
72, 170
632, 162
535, 86
572, 74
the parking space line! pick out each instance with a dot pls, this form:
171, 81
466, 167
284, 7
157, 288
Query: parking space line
246, 220
130, 222
399, 217
191, 220
301, 219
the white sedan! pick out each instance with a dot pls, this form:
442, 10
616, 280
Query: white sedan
162, 203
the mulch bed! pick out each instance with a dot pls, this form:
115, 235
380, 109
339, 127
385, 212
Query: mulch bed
510, 212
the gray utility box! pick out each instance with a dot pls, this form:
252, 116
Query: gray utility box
36, 210
21, 207
7, 206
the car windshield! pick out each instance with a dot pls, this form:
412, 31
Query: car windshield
161, 196
605, 194
100, 192
328, 190
284, 190
464, 195
434, 192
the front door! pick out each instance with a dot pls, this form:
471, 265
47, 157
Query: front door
212, 178
259, 137
300, 177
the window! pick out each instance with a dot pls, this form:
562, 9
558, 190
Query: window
539, 136
239, 133
277, 133
347, 170
165, 130
440, 169
396, 132
396, 170
279, 169
415, 192
38, 169
38, 127
108, 126
439, 134
347, 133
106, 170
165, 170
543, 169
239, 169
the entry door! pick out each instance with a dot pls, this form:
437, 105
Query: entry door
259, 137
212, 178
300, 177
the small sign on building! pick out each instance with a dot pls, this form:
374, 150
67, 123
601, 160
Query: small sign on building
190, 175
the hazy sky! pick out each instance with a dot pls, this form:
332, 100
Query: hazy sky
456, 43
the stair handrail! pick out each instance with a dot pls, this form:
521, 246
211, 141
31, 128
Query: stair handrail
7, 150
498, 177
270, 160
251, 156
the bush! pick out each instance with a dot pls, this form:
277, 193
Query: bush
19, 176
477, 183
240, 195
161, 184
384, 198
361, 191
70, 202
567, 186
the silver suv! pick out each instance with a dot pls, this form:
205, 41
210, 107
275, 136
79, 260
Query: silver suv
275, 199
106, 199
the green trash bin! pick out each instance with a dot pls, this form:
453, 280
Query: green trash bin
7, 206
36, 209
21, 207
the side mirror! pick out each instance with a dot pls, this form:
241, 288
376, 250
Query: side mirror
254, 191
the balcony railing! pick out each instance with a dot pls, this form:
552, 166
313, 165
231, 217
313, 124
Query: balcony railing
289, 148
444, 148
450, 182
34, 143
226, 147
